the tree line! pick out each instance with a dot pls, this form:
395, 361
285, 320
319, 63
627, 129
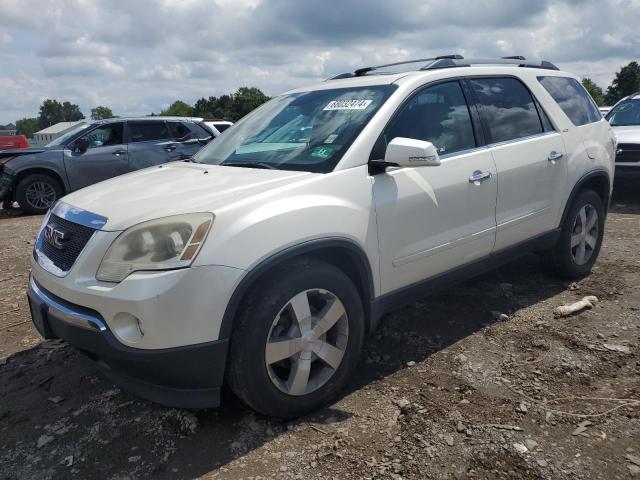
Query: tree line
236, 105
625, 83
225, 107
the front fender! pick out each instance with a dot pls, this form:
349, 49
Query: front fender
48, 161
336, 205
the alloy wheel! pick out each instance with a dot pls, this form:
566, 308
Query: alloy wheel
40, 195
306, 342
584, 235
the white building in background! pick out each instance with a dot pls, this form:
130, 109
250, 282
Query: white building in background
54, 131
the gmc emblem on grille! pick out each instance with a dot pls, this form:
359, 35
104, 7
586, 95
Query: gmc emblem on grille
54, 237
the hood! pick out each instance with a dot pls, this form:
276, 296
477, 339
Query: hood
627, 134
175, 188
6, 155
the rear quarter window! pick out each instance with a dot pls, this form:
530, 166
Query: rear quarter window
572, 98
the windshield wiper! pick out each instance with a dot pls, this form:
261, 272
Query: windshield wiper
263, 165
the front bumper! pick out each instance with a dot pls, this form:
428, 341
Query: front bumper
6, 185
186, 376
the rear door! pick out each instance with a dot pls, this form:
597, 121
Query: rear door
150, 143
529, 155
106, 156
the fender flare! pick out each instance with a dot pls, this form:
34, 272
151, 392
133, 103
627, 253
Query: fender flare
39, 169
580, 184
305, 248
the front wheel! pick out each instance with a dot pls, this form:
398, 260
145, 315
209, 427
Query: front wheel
581, 237
297, 339
36, 193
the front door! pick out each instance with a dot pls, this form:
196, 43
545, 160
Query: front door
530, 159
105, 157
433, 219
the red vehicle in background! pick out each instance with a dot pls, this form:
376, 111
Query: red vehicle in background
13, 142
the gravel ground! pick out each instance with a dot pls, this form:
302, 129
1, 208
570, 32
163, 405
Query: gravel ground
447, 388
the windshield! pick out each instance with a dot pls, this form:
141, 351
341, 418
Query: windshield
625, 113
307, 131
61, 140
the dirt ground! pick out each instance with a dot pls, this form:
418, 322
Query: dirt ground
447, 388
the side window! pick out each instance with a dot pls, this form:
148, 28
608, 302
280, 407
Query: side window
573, 99
437, 114
221, 127
179, 131
507, 108
105, 136
146, 131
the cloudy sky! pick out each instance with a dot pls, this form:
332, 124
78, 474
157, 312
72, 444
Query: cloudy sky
137, 56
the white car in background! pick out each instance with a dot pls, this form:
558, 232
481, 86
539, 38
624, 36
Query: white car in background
604, 110
624, 117
265, 260
217, 126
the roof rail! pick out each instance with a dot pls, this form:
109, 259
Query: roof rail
455, 60
516, 61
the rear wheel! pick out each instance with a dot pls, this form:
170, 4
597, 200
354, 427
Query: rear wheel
581, 237
297, 339
36, 193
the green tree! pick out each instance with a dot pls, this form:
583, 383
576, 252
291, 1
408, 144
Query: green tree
71, 112
594, 90
245, 100
178, 109
27, 126
101, 113
52, 112
230, 107
626, 82
8, 126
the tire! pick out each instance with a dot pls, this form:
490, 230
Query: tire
36, 193
566, 257
274, 388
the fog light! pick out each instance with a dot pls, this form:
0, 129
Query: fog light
127, 327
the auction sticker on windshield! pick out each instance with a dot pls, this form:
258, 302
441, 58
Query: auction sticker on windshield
348, 105
322, 152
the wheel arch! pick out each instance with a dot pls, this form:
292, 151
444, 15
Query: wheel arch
596, 180
39, 170
343, 253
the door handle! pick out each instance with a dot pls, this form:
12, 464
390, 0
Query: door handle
553, 156
170, 148
478, 177
117, 153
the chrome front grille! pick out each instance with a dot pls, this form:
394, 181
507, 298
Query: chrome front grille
628, 153
65, 251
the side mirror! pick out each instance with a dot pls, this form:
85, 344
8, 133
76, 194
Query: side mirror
81, 145
409, 152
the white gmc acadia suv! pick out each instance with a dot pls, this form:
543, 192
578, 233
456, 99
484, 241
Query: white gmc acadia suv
264, 261
624, 117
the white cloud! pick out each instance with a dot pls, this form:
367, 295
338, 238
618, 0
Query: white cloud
137, 55
4, 36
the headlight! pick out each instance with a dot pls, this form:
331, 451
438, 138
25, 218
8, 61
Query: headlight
162, 244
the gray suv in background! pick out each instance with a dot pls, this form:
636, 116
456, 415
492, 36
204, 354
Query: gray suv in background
36, 177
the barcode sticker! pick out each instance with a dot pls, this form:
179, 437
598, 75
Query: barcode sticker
348, 105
